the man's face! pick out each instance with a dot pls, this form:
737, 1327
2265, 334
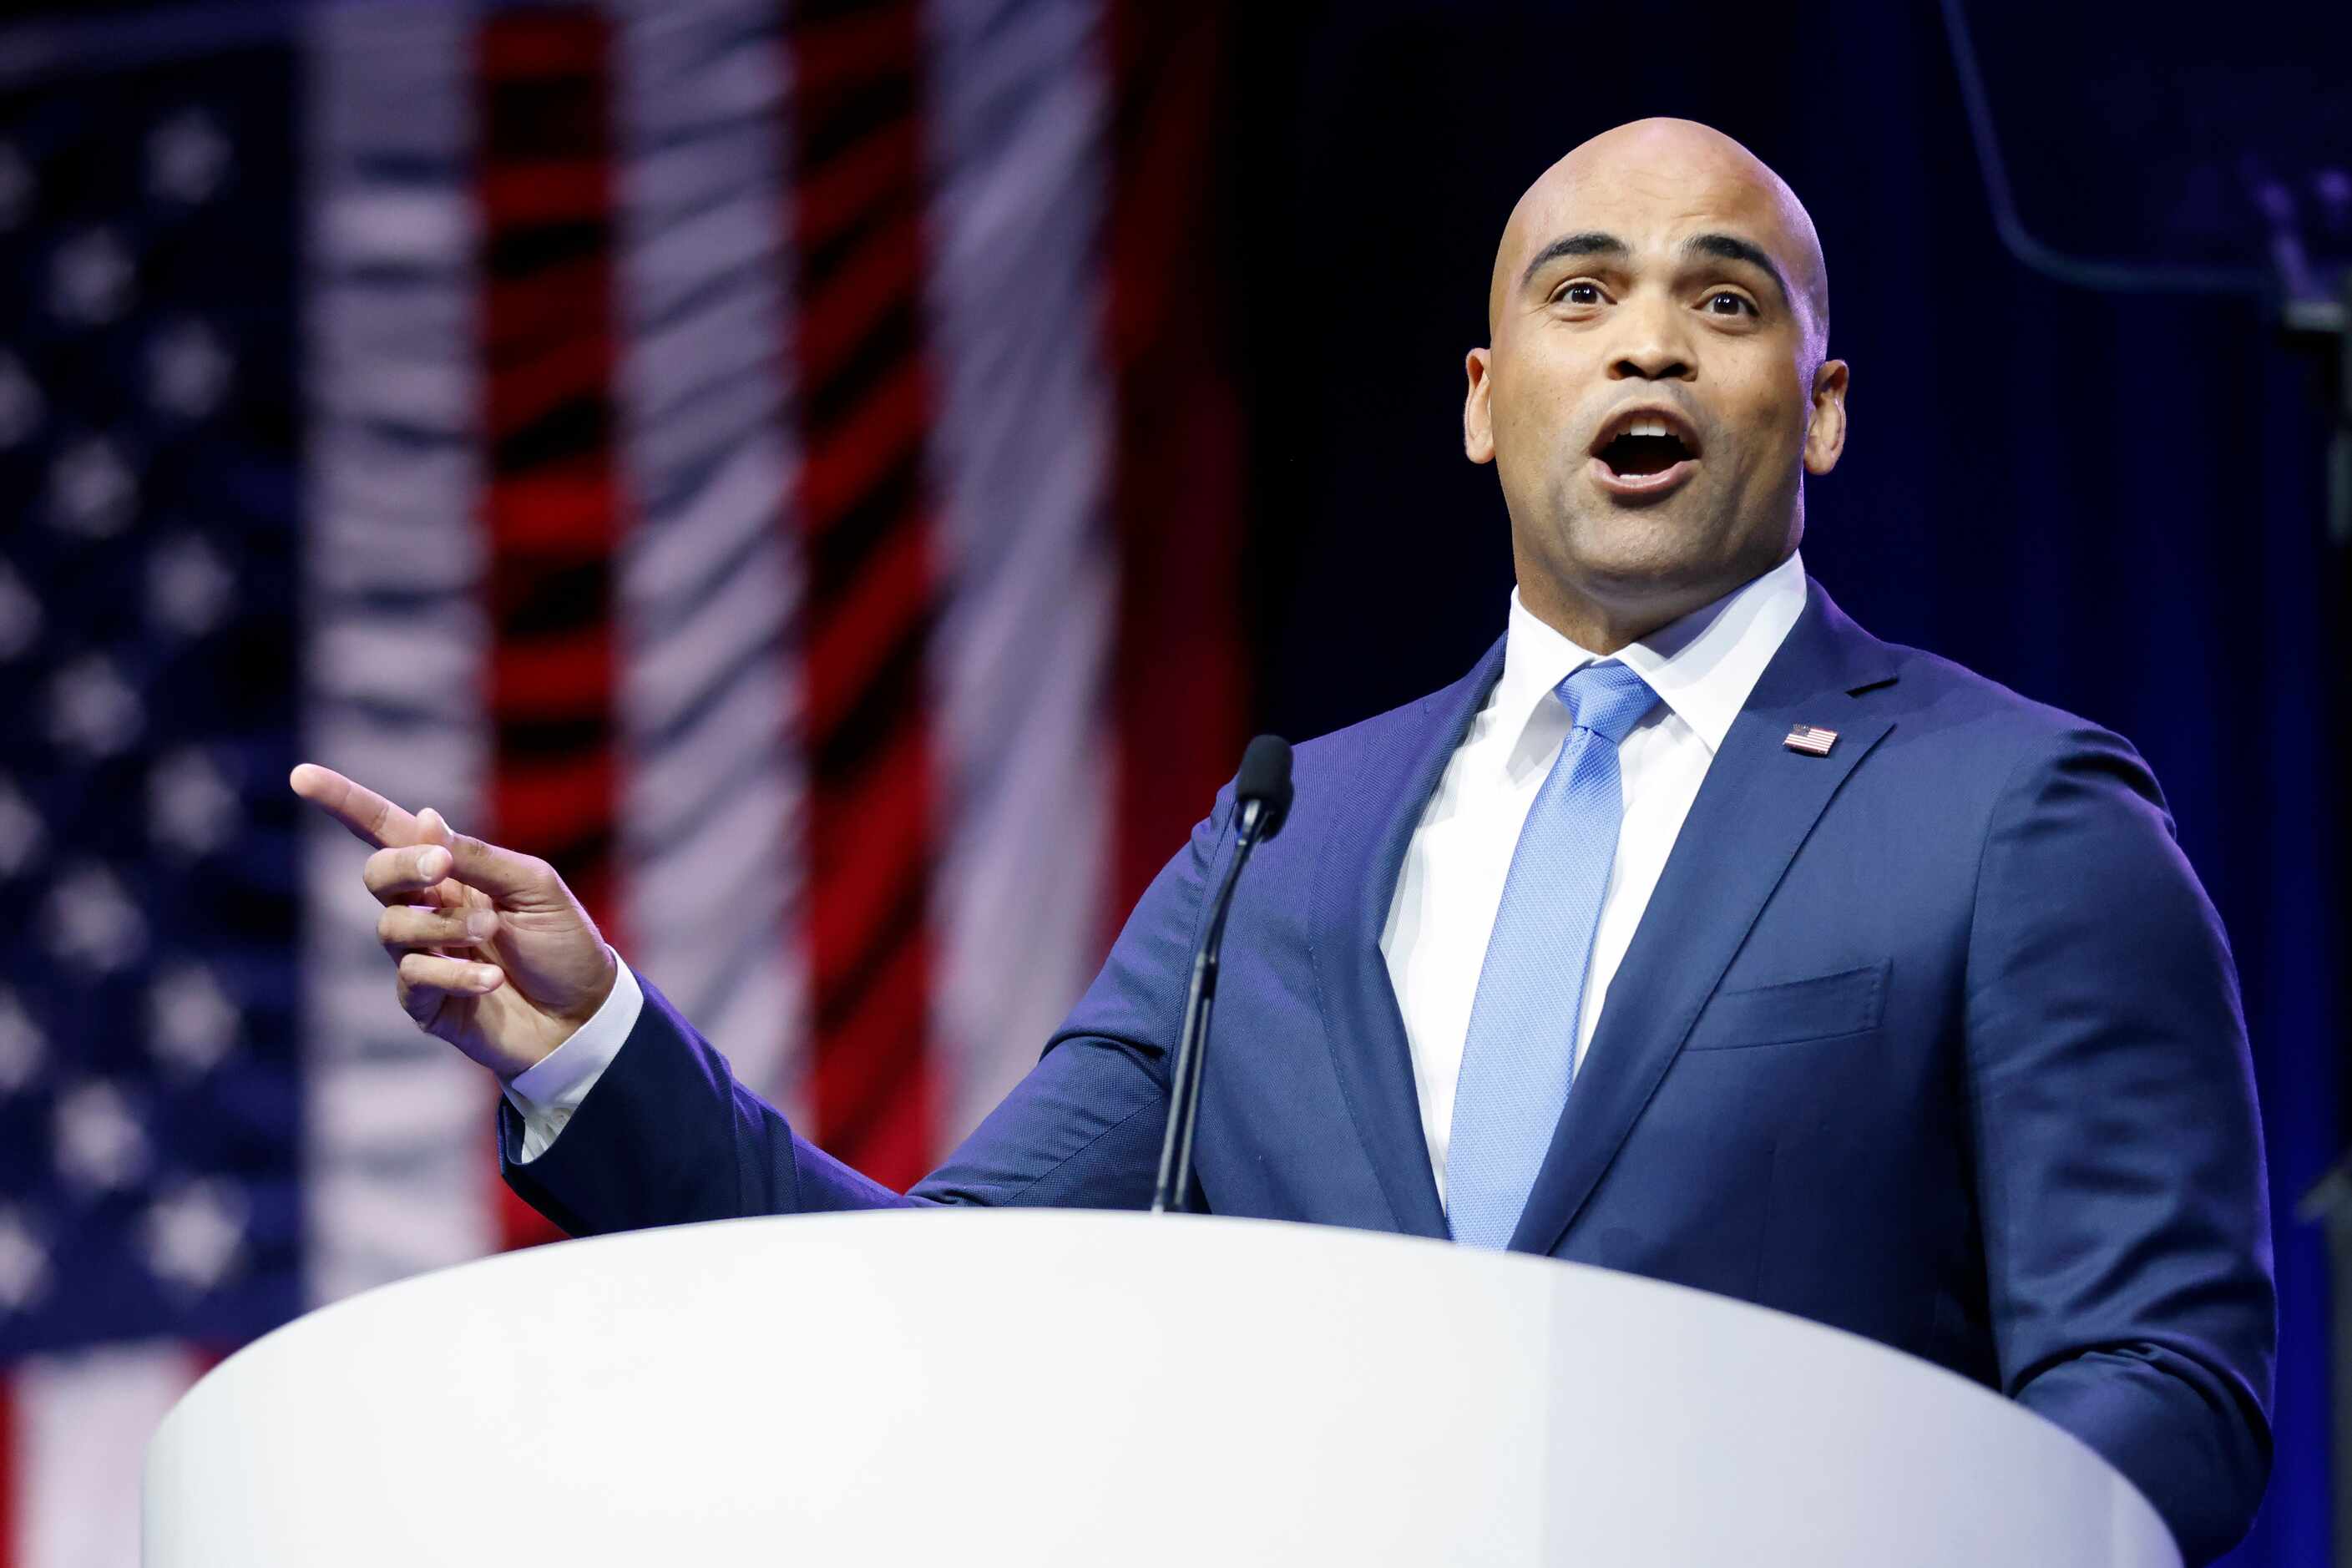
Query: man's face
1656, 386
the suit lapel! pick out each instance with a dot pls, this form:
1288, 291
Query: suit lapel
1355, 882
1759, 801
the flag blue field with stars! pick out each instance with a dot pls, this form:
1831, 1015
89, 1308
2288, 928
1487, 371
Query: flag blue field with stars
148, 1107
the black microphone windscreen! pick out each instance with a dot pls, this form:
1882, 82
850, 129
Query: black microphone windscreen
1265, 777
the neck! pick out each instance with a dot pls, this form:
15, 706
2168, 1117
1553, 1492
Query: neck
1605, 626
1603, 616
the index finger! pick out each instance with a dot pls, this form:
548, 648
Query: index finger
369, 817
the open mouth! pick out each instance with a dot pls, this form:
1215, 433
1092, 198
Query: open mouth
1652, 450
1644, 451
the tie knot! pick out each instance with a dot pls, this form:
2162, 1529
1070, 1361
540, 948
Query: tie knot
1606, 699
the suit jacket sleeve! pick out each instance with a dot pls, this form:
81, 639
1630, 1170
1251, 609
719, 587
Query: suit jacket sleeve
2117, 1147
668, 1135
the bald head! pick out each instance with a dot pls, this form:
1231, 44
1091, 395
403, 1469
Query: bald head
1656, 383
1673, 164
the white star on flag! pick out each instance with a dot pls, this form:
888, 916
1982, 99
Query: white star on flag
187, 157
21, 404
100, 1143
191, 1022
20, 830
187, 370
190, 806
189, 588
92, 710
91, 278
24, 1264
194, 1233
91, 923
92, 490
20, 615
22, 1049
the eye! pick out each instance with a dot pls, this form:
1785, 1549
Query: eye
1737, 303
1578, 294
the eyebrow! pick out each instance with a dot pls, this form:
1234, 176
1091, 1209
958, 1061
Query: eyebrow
1592, 242
1724, 246
1731, 247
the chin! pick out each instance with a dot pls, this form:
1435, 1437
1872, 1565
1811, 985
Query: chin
1639, 555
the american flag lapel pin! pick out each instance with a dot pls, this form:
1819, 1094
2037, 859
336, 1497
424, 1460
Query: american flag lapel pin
1811, 739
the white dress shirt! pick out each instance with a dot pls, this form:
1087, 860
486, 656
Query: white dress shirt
1701, 667
547, 1092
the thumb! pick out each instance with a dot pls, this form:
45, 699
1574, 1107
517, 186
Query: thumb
501, 873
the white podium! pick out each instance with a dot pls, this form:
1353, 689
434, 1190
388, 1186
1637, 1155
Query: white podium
1048, 1388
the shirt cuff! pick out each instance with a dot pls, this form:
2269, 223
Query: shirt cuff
546, 1093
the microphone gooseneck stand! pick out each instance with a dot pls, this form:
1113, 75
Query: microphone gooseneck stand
1262, 799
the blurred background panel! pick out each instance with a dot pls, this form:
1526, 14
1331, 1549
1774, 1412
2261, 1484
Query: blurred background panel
842, 480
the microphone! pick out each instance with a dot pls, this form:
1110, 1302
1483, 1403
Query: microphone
1261, 801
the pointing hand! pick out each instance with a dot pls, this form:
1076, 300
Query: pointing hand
493, 952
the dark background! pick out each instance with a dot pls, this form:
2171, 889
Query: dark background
2110, 502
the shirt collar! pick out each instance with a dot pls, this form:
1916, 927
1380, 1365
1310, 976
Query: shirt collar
1702, 666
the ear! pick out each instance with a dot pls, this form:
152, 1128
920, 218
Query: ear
1825, 431
1477, 407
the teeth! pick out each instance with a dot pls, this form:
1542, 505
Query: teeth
1647, 428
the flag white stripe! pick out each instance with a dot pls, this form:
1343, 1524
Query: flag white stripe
395, 1124
712, 787
1018, 124
82, 1422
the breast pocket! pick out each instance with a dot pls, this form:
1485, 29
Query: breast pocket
1849, 1002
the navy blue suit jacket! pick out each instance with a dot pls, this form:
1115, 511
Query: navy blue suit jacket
1935, 1039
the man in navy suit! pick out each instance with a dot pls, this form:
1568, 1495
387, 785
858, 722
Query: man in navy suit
1695, 931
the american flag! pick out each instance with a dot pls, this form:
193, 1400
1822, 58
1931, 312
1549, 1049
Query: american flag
771, 459
1811, 739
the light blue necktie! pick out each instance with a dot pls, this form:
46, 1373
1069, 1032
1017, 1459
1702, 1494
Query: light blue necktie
1521, 1049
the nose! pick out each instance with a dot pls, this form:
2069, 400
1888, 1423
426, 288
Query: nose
1654, 347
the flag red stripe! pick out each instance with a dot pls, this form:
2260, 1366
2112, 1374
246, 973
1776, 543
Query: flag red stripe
551, 191
563, 800
852, 46
532, 45
551, 514
536, 308
879, 435
566, 674
864, 514
857, 637
839, 193
880, 1054
881, 276
539, 375
1179, 689
881, 850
